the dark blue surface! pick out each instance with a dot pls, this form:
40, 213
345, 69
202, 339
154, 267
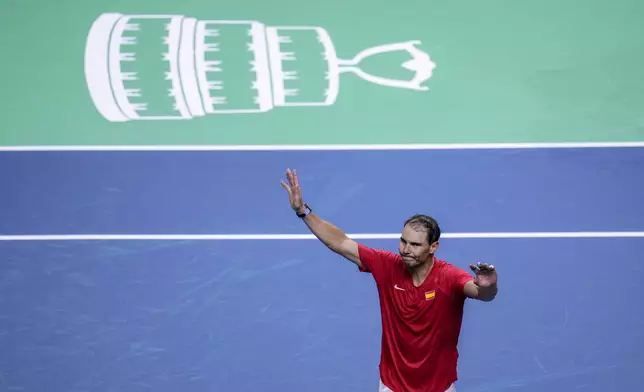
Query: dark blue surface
368, 191
291, 316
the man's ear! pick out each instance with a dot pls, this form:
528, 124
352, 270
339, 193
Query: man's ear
434, 247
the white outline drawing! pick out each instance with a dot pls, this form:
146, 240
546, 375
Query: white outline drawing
194, 87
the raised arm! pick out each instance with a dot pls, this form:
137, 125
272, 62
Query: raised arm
330, 235
484, 286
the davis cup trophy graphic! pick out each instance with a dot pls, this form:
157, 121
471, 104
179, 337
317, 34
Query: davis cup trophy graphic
172, 67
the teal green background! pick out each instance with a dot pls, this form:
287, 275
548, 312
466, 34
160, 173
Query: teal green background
507, 71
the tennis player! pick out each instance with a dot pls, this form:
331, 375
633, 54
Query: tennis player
421, 298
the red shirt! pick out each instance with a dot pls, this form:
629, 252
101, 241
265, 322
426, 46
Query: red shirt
420, 325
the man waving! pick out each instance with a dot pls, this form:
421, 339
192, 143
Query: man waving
421, 297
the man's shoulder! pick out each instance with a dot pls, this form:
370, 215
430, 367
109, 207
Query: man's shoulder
448, 269
446, 266
375, 258
378, 252
451, 274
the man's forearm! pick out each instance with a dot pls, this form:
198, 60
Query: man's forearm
326, 232
487, 294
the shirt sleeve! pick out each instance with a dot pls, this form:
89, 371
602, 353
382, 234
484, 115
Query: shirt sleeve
375, 261
458, 277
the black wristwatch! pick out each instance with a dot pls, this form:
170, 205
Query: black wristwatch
304, 214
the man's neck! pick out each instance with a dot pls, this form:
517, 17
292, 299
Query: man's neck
420, 273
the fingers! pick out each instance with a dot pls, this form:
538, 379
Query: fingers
293, 189
291, 175
288, 188
482, 268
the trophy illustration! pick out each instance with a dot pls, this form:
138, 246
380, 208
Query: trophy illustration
172, 67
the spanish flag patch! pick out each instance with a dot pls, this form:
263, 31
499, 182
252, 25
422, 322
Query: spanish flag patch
430, 295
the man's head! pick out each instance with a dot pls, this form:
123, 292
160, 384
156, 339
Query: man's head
419, 240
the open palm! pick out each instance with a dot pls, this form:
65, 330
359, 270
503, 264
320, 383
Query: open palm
293, 190
485, 274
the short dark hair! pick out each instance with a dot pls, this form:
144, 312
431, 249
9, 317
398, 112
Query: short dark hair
426, 223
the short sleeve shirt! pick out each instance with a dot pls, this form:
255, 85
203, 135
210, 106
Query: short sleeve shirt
420, 325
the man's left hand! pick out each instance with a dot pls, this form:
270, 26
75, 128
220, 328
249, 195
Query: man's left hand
485, 274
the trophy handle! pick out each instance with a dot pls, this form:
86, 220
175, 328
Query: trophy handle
420, 63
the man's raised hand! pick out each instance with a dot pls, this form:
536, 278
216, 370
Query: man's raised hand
485, 274
293, 190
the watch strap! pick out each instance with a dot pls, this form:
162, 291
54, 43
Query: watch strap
304, 214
